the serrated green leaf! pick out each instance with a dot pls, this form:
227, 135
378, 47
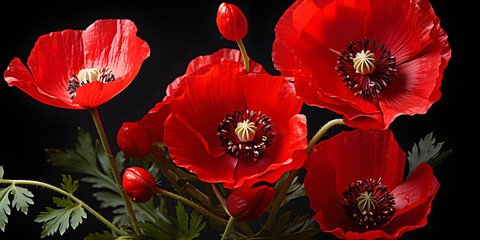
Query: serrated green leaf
99, 236
426, 150
4, 206
302, 227
182, 227
68, 184
89, 158
69, 214
21, 200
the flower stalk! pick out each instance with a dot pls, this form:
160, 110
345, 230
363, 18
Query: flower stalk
198, 208
113, 167
71, 196
244, 55
228, 228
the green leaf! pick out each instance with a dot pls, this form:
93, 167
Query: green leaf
183, 227
89, 158
69, 214
426, 151
302, 227
4, 206
1, 171
99, 236
68, 184
21, 200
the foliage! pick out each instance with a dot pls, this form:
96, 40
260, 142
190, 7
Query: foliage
22, 197
181, 227
427, 151
89, 158
68, 214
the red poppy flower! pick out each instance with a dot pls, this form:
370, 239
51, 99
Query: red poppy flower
234, 127
78, 69
368, 60
354, 182
154, 120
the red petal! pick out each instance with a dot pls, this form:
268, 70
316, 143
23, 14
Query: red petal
96, 93
207, 99
283, 155
18, 75
113, 43
187, 149
54, 59
280, 93
154, 120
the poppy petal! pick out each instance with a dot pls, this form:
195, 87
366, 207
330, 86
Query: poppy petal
207, 99
18, 75
285, 154
188, 150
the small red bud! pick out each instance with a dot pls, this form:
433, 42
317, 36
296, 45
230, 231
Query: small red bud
139, 184
250, 204
231, 22
133, 140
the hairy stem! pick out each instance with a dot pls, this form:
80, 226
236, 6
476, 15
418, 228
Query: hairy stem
113, 167
71, 196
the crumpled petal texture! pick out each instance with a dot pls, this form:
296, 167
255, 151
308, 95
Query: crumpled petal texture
358, 155
311, 34
59, 55
202, 100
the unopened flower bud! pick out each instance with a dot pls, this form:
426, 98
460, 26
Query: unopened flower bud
139, 184
231, 22
250, 204
133, 140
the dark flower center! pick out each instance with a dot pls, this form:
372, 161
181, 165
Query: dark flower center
368, 203
88, 75
245, 134
366, 67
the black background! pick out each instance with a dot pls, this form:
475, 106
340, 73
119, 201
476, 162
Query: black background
179, 31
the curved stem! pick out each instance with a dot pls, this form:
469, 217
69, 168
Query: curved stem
71, 196
322, 131
228, 228
113, 167
197, 207
283, 191
244, 55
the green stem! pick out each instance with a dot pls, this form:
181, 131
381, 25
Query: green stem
197, 207
283, 190
244, 55
71, 196
220, 198
228, 228
322, 131
160, 165
113, 167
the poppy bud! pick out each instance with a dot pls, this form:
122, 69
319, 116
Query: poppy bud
139, 184
133, 140
231, 22
250, 204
